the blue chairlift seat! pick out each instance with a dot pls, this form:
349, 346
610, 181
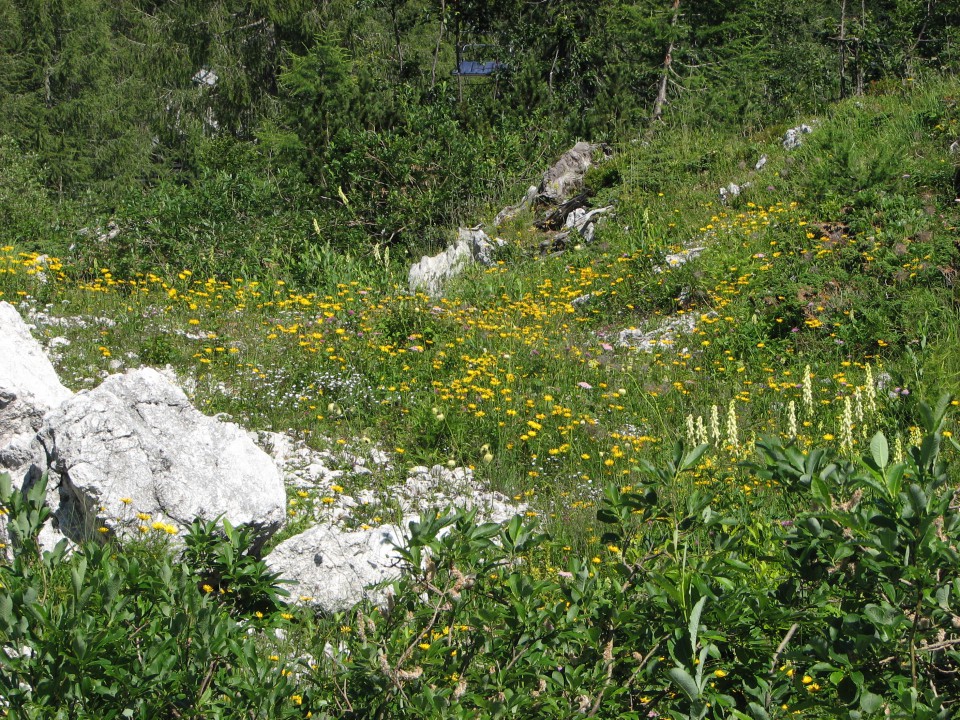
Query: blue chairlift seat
477, 68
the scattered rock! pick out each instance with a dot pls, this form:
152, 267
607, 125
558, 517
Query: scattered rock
511, 211
556, 218
43, 319
437, 487
584, 219
793, 138
433, 272
333, 569
665, 334
137, 437
731, 191
681, 258
110, 233
760, 163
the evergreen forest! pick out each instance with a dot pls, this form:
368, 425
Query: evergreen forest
218, 130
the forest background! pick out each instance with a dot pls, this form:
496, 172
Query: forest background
236, 137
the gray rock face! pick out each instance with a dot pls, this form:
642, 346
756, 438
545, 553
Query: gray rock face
565, 178
433, 272
29, 386
332, 569
137, 437
793, 138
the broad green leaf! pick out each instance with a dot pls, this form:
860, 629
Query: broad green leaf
820, 490
813, 525
880, 450
687, 685
693, 457
694, 626
894, 478
869, 702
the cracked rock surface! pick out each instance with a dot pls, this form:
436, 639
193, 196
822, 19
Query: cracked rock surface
332, 570
136, 437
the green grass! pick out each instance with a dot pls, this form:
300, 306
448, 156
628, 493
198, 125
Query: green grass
838, 263
840, 254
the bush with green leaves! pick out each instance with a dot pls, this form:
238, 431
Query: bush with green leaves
225, 560
874, 564
844, 608
122, 632
850, 614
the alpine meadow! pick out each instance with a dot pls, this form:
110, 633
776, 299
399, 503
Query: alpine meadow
471, 359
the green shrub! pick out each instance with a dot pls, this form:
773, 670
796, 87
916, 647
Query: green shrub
110, 632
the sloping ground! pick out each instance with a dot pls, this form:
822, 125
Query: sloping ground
837, 254
683, 584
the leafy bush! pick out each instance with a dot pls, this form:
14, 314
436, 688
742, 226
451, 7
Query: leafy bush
226, 564
874, 563
111, 632
845, 610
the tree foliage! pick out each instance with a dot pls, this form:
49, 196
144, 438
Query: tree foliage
118, 100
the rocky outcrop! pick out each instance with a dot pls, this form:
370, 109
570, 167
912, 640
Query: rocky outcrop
29, 386
134, 452
333, 569
433, 272
793, 138
560, 188
565, 178
135, 444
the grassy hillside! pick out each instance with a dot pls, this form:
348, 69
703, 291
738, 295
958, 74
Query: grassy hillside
821, 309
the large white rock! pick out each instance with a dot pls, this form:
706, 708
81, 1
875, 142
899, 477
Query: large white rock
137, 437
29, 388
333, 569
29, 385
433, 272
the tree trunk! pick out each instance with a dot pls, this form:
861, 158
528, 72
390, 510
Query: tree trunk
436, 52
843, 48
665, 74
397, 41
858, 52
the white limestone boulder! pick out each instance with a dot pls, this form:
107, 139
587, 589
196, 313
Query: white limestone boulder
333, 569
793, 138
135, 444
433, 272
29, 388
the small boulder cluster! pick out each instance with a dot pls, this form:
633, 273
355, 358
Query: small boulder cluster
566, 214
